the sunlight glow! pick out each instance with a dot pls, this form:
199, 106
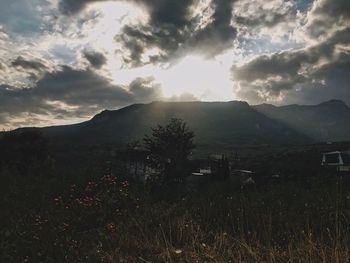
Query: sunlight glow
112, 16
207, 80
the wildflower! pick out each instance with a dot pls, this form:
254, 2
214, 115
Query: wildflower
66, 226
111, 227
86, 201
125, 184
57, 200
109, 179
90, 186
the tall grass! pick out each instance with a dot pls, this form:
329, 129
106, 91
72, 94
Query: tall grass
111, 220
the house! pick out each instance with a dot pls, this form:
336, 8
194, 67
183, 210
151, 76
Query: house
338, 159
137, 163
196, 179
205, 171
242, 176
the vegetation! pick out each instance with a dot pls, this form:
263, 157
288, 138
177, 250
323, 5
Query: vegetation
170, 147
108, 219
52, 211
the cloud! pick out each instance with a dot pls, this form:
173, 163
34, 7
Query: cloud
183, 97
255, 14
174, 29
168, 28
22, 18
28, 64
96, 59
161, 11
219, 34
273, 77
71, 94
70, 7
326, 17
145, 89
176, 37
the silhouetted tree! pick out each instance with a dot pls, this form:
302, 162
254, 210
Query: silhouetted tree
170, 147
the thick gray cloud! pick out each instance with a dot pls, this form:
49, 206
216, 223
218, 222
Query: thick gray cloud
28, 64
70, 93
320, 67
161, 11
70, 7
172, 29
307, 75
96, 59
176, 37
327, 16
144, 89
264, 14
218, 35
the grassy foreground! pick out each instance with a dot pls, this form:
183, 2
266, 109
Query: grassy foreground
107, 219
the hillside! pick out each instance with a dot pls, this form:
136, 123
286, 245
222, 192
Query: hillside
217, 125
328, 121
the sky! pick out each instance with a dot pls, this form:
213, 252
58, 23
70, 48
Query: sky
62, 61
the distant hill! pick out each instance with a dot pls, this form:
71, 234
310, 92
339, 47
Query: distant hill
217, 125
328, 121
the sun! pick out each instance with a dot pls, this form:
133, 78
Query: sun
205, 79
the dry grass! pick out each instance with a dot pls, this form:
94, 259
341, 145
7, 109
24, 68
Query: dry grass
108, 221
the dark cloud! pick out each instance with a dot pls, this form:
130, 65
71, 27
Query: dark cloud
319, 67
172, 29
69, 93
263, 14
327, 15
28, 64
177, 37
218, 35
163, 11
96, 59
168, 28
144, 89
70, 7
336, 76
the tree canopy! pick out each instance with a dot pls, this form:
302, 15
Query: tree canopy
170, 147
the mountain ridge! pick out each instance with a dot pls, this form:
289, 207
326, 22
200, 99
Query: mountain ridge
326, 121
217, 125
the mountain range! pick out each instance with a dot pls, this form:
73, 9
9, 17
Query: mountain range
217, 125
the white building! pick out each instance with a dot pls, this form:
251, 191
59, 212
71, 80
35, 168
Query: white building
337, 159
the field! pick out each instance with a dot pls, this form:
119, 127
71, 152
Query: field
97, 216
